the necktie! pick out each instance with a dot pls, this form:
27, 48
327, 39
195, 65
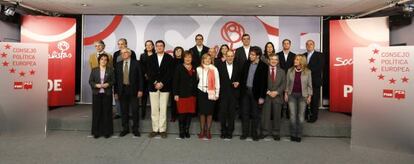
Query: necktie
126, 74
273, 74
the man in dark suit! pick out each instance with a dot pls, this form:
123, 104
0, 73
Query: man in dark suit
128, 88
242, 53
160, 66
253, 85
229, 94
198, 50
122, 43
316, 62
286, 58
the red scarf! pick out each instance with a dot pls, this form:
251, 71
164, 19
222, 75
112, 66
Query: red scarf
211, 80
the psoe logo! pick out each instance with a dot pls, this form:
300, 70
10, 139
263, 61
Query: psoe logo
397, 94
23, 85
388, 93
63, 46
343, 62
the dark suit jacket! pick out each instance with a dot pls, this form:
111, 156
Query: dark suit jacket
184, 85
226, 86
316, 65
286, 64
135, 77
162, 73
240, 56
196, 57
259, 80
280, 82
118, 53
95, 78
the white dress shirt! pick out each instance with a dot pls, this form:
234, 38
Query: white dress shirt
229, 69
286, 54
159, 57
247, 50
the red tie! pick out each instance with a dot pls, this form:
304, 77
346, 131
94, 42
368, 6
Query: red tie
273, 74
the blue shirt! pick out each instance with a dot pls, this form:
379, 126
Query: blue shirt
250, 76
309, 56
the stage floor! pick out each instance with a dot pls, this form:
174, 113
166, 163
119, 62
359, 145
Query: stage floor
78, 118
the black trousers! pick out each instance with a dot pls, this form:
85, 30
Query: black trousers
102, 124
314, 105
173, 109
250, 114
129, 103
144, 99
184, 122
227, 114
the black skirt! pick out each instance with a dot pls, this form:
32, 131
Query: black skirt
205, 106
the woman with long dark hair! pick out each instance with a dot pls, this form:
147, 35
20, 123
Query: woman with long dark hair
148, 51
178, 60
268, 50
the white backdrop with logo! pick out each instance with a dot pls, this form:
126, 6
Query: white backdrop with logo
181, 30
383, 112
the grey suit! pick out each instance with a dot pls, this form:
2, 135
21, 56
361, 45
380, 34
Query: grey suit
273, 105
297, 101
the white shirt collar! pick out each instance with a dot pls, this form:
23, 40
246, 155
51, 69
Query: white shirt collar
200, 48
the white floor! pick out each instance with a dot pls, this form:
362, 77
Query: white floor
76, 147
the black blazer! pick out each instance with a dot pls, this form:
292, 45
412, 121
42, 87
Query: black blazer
162, 73
286, 64
259, 80
118, 53
226, 83
196, 57
240, 56
135, 77
184, 85
316, 65
95, 78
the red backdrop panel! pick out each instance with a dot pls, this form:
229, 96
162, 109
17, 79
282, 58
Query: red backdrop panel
344, 36
60, 34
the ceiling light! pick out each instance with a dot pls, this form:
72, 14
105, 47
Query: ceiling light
10, 11
140, 4
84, 5
259, 5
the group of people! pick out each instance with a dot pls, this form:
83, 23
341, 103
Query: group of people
250, 82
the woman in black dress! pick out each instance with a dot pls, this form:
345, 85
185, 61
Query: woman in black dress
148, 51
184, 91
101, 81
178, 60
